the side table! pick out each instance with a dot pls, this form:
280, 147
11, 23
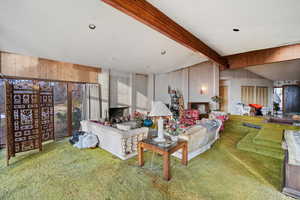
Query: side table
166, 152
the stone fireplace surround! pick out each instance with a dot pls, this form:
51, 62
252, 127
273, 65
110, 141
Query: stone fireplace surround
118, 112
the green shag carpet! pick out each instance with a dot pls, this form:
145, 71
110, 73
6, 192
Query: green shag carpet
266, 141
62, 172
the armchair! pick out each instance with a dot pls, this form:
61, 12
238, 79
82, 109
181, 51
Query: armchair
190, 117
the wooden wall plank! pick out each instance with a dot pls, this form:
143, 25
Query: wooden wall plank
264, 56
14, 65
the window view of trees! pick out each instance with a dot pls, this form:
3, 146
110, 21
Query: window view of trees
60, 110
77, 100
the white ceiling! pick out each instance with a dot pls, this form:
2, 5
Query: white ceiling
58, 29
288, 70
262, 23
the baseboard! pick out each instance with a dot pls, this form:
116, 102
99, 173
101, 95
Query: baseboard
291, 192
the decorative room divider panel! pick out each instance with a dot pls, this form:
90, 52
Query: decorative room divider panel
47, 112
29, 114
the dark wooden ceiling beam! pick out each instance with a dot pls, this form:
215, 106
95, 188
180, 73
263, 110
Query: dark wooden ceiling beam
146, 13
264, 56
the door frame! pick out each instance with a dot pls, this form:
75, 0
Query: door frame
283, 88
226, 82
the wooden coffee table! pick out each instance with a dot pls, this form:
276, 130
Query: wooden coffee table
166, 152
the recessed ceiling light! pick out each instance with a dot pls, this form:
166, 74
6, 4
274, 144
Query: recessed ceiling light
236, 30
92, 26
163, 52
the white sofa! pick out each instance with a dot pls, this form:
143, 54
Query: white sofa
200, 138
122, 144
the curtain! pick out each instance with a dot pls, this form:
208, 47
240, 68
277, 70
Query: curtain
262, 96
247, 96
91, 102
252, 95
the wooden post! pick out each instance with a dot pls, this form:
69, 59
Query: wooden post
8, 123
167, 173
140, 154
37, 90
69, 108
184, 159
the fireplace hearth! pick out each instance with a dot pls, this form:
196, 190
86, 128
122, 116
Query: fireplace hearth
115, 113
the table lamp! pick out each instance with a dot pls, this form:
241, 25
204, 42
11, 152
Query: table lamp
159, 109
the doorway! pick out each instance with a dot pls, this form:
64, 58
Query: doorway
224, 98
291, 99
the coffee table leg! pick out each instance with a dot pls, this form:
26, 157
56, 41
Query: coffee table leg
184, 159
167, 173
141, 155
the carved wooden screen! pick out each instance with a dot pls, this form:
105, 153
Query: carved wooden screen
30, 115
47, 111
22, 111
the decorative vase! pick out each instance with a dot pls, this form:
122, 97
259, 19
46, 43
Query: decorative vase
148, 122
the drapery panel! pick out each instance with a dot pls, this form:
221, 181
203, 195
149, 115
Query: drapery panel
255, 95
91, 102
262, 96
247, 94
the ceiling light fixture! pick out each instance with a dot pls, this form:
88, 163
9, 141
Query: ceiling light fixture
163, 52
236, 30
92, 26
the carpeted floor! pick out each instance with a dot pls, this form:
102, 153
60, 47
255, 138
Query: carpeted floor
64, 172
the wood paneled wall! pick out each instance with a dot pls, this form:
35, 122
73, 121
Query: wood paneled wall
14, 65
264, 56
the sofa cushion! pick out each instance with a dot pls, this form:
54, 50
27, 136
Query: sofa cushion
196, 136
292, 139
123, 127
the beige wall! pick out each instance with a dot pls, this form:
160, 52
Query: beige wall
189, 81
128, 89
235, 79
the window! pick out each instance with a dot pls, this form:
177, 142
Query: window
60, 110
77, 105
2, 114
258, 95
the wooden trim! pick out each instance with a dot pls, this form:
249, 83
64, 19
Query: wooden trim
264, 56
69, 108
15, 65
283, 97
149, 15
8, 124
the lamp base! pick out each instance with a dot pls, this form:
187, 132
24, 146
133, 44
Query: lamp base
159, 140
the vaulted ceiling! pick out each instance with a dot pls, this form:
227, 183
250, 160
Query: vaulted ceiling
58, 29
288, 70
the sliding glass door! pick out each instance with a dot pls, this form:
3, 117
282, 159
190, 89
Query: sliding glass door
2, 114
60, 110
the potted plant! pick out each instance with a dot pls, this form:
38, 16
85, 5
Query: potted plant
216, 99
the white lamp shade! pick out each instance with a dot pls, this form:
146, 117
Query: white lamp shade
159, 109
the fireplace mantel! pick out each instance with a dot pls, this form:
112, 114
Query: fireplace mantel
198, 105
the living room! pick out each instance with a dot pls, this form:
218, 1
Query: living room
126, 99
